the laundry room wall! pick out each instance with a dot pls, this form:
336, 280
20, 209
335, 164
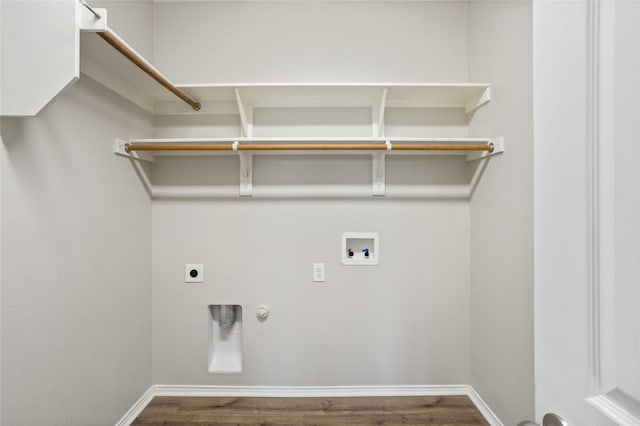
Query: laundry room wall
76, 257
404, 321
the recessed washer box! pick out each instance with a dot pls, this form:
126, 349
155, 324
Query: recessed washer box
360, 248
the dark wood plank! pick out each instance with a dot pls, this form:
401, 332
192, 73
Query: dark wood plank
432, 410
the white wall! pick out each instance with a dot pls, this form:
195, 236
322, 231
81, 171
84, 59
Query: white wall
133, 21
436, 309
76, 262
405, 321
254, 42
500, 52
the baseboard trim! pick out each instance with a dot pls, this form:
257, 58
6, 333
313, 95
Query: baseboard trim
484, 409
309, 391
137, 407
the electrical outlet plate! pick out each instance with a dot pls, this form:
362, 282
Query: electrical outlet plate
318, 273
193, 273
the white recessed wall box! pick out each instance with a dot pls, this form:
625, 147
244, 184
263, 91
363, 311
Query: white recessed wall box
360, 248
225, 339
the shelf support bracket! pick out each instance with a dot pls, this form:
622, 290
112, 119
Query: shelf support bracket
246, 174
478, 100
379, 172
246, 115
378, 115
498, 148
120, 148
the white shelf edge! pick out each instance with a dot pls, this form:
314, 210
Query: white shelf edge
379, 85
468, 96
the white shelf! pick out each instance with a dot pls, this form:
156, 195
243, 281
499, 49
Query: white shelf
292, 112
402, 95
101, 63
288, 112
378, 157
233, 98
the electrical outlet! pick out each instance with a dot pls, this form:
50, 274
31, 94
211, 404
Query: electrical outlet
193, 273
318, 273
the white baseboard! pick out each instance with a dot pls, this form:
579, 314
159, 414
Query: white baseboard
137, 408
482, 406
309, 391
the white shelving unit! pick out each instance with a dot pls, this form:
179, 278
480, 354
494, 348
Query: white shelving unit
266, 113
246, 100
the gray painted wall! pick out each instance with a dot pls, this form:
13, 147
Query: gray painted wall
500, 51
436, 309
405, 321
256, 42
76, 263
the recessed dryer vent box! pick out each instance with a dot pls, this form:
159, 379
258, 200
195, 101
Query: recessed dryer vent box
360, 248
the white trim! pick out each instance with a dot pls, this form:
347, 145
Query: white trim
593, 187
137, 407
614, 411
482, 406
308, 392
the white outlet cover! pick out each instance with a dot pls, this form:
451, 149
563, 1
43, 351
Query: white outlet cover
191, 269
318, 273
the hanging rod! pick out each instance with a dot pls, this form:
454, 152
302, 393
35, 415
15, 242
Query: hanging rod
121, 46
308, 147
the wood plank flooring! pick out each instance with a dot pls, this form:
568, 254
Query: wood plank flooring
413, 410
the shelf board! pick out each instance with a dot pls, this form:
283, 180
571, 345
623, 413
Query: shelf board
100, 62
398, 95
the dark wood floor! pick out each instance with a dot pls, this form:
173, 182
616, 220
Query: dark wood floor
413, 410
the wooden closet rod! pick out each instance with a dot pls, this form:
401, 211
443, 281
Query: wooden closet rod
307, 147
121, 46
